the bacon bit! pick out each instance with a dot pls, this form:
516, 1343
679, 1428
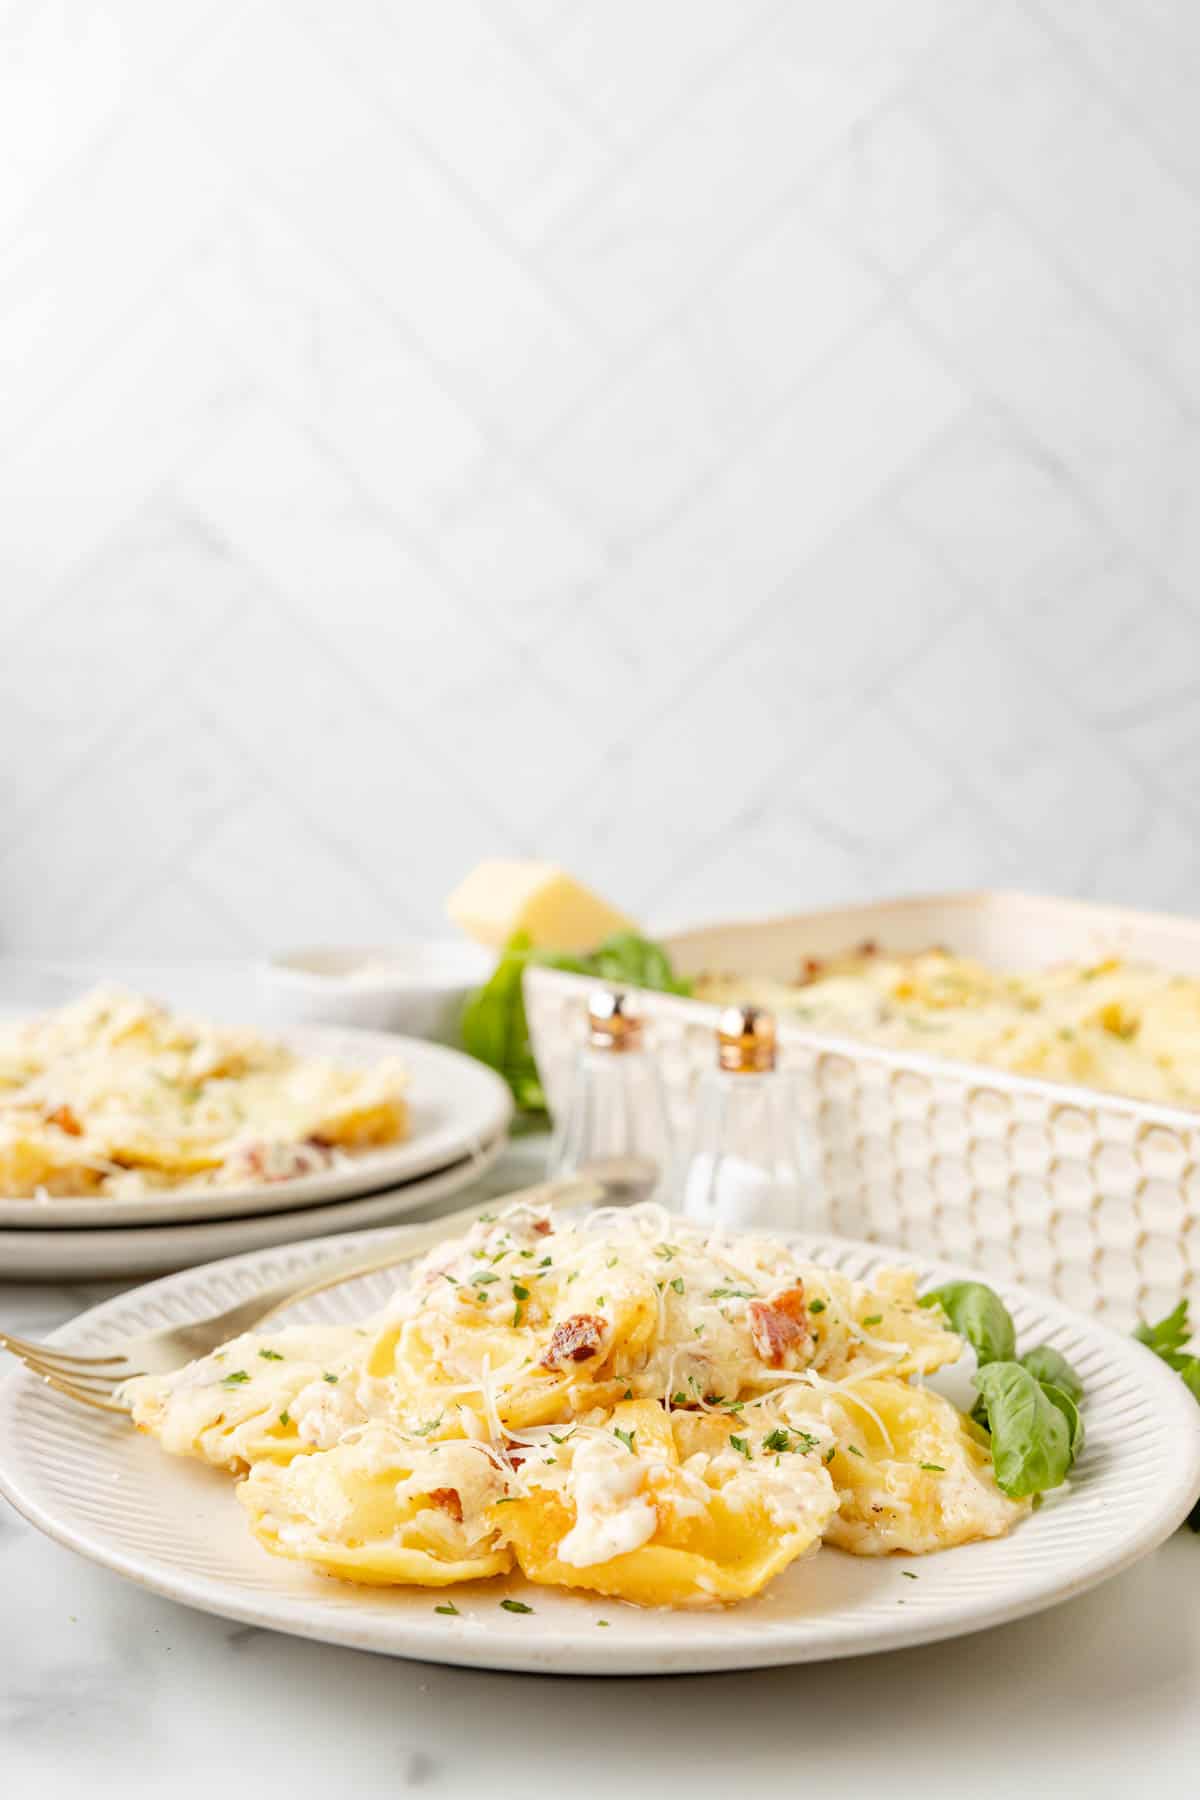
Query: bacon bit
812, 968
577, 1339
777, 1324
542, 1227
65, 1119
868, 947
516, 1453
449, 1501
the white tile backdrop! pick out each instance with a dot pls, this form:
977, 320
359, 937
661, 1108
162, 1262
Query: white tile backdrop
746, 451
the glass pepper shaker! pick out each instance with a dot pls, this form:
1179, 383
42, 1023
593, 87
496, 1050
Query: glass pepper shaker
749, 1163
615, 1123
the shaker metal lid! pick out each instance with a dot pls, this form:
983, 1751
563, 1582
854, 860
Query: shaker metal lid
614, 1020
746, 1040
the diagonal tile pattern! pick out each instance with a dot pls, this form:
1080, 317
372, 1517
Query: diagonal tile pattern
746, 450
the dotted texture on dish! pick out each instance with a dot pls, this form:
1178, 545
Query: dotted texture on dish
1083, 1195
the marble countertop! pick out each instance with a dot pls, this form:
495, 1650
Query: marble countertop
106, 1690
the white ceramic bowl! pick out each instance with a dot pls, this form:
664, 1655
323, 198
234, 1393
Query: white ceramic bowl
416, 986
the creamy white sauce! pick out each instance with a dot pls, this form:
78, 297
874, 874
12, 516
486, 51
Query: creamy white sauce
613, 1515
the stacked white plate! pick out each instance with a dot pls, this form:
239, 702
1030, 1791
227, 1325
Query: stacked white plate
459, 1114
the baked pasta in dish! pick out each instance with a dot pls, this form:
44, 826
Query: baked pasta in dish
1120, 1027
617, 1403
114, 1095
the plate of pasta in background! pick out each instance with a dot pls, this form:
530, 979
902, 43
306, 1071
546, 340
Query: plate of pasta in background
616, 1443
118, 1112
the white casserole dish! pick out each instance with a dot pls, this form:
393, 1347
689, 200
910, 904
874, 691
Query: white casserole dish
1086, 1195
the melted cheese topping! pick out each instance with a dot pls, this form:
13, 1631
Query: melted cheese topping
619, 1402
613, 1514
114, 1095
1123, 1028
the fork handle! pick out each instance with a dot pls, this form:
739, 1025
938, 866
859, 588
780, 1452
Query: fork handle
410, 1241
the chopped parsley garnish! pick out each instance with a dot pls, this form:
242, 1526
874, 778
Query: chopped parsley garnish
602, 1621
677, 1284
599, 1299
626, 1438
817, 1306
234, 1378
908, 1575
546, 1263
516, 1318
270, 1356
515, 1606
563, 1438
781, 1439
934, 1468
628, 1394
331, 1379
573, 1276
740, 1444
679, 1399
484, 1278
448, 1607
875, 1319
519, 1292
452, 1279
487, 1218
830, 1453
508, 1500
731, 1293
429, 1425
285, 1417
666, 1251
854, 1449
611, 1263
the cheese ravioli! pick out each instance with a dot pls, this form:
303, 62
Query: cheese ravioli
617, 1403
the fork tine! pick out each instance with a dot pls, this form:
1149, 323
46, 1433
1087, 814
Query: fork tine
97, 1382
49, 1352
85, 1396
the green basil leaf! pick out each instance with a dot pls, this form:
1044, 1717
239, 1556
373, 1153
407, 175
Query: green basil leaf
1052, 1369
494, 1027
1167, 1339
642, 963
980, 1316
1031, 1437
1169, 1334
1070, 1412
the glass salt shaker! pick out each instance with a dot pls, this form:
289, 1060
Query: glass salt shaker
749, 1163
615, 1123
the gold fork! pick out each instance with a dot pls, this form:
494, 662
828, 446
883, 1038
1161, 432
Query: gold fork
97, 1380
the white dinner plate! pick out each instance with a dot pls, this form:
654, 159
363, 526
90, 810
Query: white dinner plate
455, 1104
132, 1250
91, 1482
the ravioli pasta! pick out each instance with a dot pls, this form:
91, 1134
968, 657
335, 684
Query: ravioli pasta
1120, 1027
114, 1095
619, 1404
